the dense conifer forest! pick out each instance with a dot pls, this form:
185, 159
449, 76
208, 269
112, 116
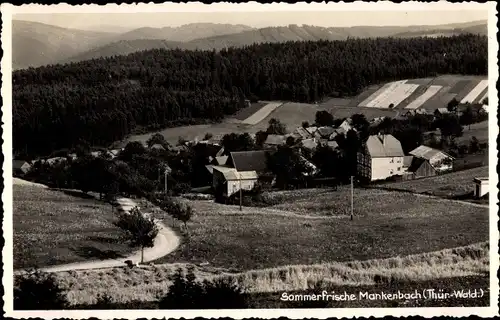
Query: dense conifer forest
99, 101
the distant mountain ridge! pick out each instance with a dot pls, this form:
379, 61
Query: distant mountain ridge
36, 44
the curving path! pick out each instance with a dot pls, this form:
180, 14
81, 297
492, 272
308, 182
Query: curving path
166, 242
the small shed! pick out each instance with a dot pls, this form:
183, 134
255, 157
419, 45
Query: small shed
20, 167
274, 140
482, 187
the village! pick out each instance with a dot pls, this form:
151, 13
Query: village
380, 157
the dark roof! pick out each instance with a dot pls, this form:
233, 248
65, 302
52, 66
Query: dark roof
249, 160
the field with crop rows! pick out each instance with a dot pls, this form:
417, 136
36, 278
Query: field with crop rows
448, 185
429, 93
51, 227
476, 92
393, 94
262, 113
373, 102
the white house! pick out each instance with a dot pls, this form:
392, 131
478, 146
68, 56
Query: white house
382, 157
482, 187
346, 125
229, 181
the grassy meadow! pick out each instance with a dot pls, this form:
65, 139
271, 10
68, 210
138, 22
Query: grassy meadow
314, 227
449, 185
448, 268
51, 227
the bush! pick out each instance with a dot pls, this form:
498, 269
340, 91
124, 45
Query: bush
187, 293
181, 188
38, 291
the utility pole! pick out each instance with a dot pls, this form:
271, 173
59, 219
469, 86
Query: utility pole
159, 178
166, 174
352, 198
241, 193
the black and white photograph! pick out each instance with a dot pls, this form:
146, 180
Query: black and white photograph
298, 160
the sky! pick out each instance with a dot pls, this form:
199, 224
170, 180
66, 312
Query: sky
256, 19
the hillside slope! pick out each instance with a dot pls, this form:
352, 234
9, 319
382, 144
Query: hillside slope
124, 47
35, 44
185, 32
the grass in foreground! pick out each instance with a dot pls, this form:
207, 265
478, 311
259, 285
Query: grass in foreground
449, 185
51, 227
386, 224
450, 284
145, 284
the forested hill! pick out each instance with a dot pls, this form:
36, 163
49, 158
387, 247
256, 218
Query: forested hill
102, 100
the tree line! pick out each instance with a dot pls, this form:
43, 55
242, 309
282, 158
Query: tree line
102, 100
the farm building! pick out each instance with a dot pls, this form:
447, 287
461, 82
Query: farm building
345, 126
309, 144
216, 139
55, 160
302, 132
248, 160
381, 157
157, 146
324, 132
20, 167
219, 161
227, 181
441, 111
416, 111
274, 140
429, 162
242, 169
115, 152
482, 187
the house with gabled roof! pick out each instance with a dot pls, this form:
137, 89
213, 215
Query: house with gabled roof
274, 140
242, 170
381, 157
302, 133
429, 162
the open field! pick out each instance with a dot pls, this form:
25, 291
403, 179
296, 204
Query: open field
480, 98
244, 113
51, 227
146, 283
478, 130
386, 224
448, 185
262, 113
429, 93
476, 92
396, 93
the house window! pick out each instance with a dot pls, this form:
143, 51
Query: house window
392, 172
392, 160
399, 168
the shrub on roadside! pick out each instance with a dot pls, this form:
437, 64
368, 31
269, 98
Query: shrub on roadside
188, 293
38, 291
